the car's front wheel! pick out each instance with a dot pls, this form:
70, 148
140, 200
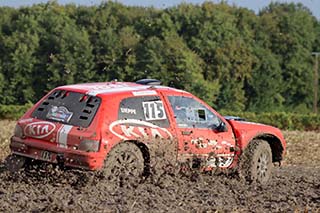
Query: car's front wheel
256, 162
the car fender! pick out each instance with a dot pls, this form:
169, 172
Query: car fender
246, 132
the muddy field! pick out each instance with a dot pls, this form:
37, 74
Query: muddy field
294, 187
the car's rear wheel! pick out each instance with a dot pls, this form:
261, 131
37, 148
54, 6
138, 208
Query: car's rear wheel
124, 166
15, 162
256, 162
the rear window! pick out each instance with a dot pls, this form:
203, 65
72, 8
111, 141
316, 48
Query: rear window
67, 107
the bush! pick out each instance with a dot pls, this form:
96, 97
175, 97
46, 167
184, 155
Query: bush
13, 111
282, 120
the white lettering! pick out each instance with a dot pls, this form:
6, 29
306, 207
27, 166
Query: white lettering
147, 92
142, 131
128, 111
39, 129
128, 131
32, 130
155, 130
45, 129
155, 133
212, 143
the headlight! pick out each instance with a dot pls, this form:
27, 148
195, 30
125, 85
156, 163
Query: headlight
18, 131
89, 145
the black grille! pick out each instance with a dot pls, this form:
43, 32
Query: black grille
82, 107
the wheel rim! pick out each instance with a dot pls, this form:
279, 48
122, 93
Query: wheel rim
125, 168
263, 166
127, 162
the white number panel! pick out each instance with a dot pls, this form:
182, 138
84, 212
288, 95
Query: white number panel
154, 110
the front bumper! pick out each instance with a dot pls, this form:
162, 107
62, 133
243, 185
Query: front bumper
50, 152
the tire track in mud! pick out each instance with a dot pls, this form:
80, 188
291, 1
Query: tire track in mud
52, 189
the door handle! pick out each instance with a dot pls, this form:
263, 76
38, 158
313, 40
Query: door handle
186, 132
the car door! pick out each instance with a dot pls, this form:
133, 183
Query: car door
201, 132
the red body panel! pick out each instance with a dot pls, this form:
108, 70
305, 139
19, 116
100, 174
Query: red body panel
246, 131
53, 141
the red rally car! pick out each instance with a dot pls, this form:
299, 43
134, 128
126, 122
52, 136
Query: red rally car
106, 125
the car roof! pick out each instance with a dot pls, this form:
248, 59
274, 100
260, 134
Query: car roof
107, 88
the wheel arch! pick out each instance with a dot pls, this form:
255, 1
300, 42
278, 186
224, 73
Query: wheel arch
275, 145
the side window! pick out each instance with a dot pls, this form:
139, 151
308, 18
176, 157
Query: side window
189, 112
146, 108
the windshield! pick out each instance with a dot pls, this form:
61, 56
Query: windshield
67, 107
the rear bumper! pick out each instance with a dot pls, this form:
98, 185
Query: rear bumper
50, 152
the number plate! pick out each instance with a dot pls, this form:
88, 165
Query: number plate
46, 155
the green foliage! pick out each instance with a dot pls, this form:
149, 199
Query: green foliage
264, 88
228, 56
291, 37
282, 120
13, 111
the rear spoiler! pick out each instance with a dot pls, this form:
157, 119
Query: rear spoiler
234, 118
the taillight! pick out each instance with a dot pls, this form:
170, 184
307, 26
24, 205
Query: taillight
89, 145
18, 132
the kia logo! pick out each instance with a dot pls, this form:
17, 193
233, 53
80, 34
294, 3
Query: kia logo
132, 128
39, 129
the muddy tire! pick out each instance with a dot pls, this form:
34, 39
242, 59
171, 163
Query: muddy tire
14, 162
256, 162
124, 166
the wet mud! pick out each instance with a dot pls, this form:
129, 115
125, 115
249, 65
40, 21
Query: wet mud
294, 187
48, 188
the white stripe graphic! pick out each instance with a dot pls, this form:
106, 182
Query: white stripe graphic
58, 133
62, 136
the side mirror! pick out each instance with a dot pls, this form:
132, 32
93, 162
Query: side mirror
222, 127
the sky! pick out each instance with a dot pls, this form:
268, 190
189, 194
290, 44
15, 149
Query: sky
256, 5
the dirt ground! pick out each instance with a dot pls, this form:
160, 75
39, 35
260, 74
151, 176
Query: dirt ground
294, 187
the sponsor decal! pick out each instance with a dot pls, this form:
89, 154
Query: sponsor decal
60, 113
183, 125
98, 86
226, 143
201, 143
27, 120
128, 111
113, 88
39, 129
220, 161
212, 142
147, 92
132, 128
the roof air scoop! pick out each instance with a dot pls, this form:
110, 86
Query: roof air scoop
149, 82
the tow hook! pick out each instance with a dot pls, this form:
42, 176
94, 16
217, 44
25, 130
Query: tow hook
60, 160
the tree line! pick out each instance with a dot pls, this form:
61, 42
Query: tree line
227, 55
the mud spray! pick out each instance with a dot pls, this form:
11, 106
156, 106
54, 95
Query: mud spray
42, 187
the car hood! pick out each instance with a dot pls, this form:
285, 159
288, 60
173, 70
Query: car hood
246, 126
